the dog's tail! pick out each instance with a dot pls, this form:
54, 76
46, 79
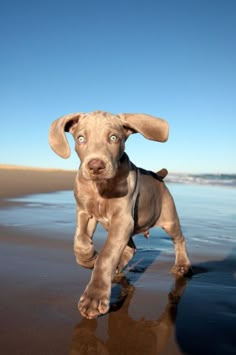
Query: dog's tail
162, 173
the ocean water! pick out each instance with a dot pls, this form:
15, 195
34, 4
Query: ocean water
203, 179
207, 214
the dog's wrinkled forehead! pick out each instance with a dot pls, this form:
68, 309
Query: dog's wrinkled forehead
99, 119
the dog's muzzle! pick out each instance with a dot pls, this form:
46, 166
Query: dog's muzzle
96, 167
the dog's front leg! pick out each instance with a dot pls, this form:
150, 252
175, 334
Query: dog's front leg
84, 250
96, 297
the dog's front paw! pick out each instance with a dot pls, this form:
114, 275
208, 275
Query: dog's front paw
181, 270
94, 301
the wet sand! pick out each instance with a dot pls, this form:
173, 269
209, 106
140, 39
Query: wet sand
151, 312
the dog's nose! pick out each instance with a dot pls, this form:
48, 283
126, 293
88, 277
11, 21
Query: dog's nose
96, 166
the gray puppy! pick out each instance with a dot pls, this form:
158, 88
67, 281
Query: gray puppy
111, 190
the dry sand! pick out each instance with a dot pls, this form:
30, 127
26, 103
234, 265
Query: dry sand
151, 313
18, 181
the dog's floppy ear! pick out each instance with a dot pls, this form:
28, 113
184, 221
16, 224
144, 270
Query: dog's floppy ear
57, 137
152, 128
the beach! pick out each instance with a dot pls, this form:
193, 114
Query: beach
19, 181
151, 312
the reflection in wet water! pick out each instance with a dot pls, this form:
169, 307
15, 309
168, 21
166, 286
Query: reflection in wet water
126, 335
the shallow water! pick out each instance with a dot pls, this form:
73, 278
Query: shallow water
207, 215
200, 311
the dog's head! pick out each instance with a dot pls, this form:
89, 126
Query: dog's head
100, 138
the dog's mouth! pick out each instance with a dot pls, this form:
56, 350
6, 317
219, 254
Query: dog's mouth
98, 176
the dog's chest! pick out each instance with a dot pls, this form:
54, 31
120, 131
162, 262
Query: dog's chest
98, 208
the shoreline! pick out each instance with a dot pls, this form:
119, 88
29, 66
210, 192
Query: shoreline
16, 181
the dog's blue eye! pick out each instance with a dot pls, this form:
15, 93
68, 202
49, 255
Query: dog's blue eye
81, 139
113, 138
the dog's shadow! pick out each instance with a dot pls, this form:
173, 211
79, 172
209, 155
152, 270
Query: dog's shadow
209, 326
126, 335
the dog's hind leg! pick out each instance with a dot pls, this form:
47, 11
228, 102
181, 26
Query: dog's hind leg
169, 221
127, 255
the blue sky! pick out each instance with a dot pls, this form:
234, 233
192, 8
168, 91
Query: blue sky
174, 59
